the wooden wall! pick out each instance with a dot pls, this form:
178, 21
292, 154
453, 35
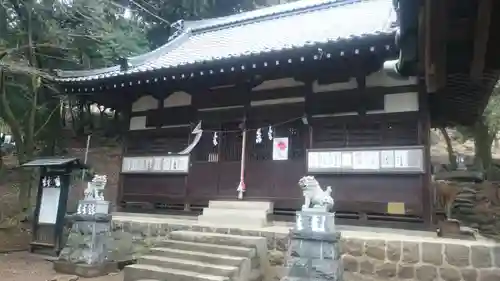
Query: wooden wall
340, 115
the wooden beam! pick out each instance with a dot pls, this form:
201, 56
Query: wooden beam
441, 42
430, 81
481, 38
435, 30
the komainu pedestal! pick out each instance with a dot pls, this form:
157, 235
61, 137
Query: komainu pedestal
314, 250
87, 250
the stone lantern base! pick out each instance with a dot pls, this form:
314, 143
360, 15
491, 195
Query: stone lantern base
86, 252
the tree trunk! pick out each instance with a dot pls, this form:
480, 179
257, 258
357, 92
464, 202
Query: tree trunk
1, 161
482, 144
449, 147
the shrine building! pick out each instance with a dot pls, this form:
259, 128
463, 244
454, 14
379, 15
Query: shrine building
300, 88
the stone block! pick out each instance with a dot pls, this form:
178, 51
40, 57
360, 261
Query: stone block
224, 219
325, 270
393, 251
256, 242
469, 274
489, 274
242, 205
142, 271
481, 256
271, 240
88, 243
191, 266
406, 271
85, 270
411, 252
250, 213
432, 253
198, 256
209, 248
315, 221
457, 255
281, 241
312, 268
366, 266
375, 249
350, 263
276, 258
449, 274
354, 247
496, 255
386, 270
314, 249
426, 273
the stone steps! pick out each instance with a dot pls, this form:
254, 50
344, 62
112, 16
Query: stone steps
241, 205
138, 272
224, 219
216, 238
233, 213
209, 248
200, 256
190, 265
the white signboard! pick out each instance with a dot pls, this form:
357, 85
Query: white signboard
387, 159
401, 158
280, 149
49, 205
366, 160
346, 160
396, 159
156, 164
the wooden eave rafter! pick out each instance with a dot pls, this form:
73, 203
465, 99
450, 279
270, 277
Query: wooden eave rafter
435, 25
481, 37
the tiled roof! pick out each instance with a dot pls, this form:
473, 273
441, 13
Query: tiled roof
283, 27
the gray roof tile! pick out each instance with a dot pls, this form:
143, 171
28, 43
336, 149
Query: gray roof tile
300, 24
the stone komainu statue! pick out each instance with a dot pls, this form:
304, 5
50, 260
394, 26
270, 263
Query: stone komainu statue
95, 188
314, 195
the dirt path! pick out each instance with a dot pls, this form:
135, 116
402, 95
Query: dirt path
22, 266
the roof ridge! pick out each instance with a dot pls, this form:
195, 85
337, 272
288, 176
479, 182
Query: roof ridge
269, 13
185, 31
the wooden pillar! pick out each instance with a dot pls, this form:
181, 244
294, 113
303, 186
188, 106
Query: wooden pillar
126, 110
424, 139
435, 25
481, 37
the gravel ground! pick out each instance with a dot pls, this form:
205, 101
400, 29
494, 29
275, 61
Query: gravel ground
23, 266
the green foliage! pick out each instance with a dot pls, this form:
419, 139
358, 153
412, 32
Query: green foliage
159, 14
492, 113
490, 118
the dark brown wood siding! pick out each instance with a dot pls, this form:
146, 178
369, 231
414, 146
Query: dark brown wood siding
370, 193
215, 169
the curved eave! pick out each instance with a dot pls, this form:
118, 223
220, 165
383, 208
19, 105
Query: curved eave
382, 47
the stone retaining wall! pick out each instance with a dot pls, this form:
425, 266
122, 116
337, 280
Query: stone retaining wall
415, 258
448, 260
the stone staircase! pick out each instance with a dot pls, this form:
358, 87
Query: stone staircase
200, 256
248, 213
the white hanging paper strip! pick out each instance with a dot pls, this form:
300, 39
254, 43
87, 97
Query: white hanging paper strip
270, 133
214, 140
258, 136
198, 132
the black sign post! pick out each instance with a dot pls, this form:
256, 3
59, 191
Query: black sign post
51, 202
